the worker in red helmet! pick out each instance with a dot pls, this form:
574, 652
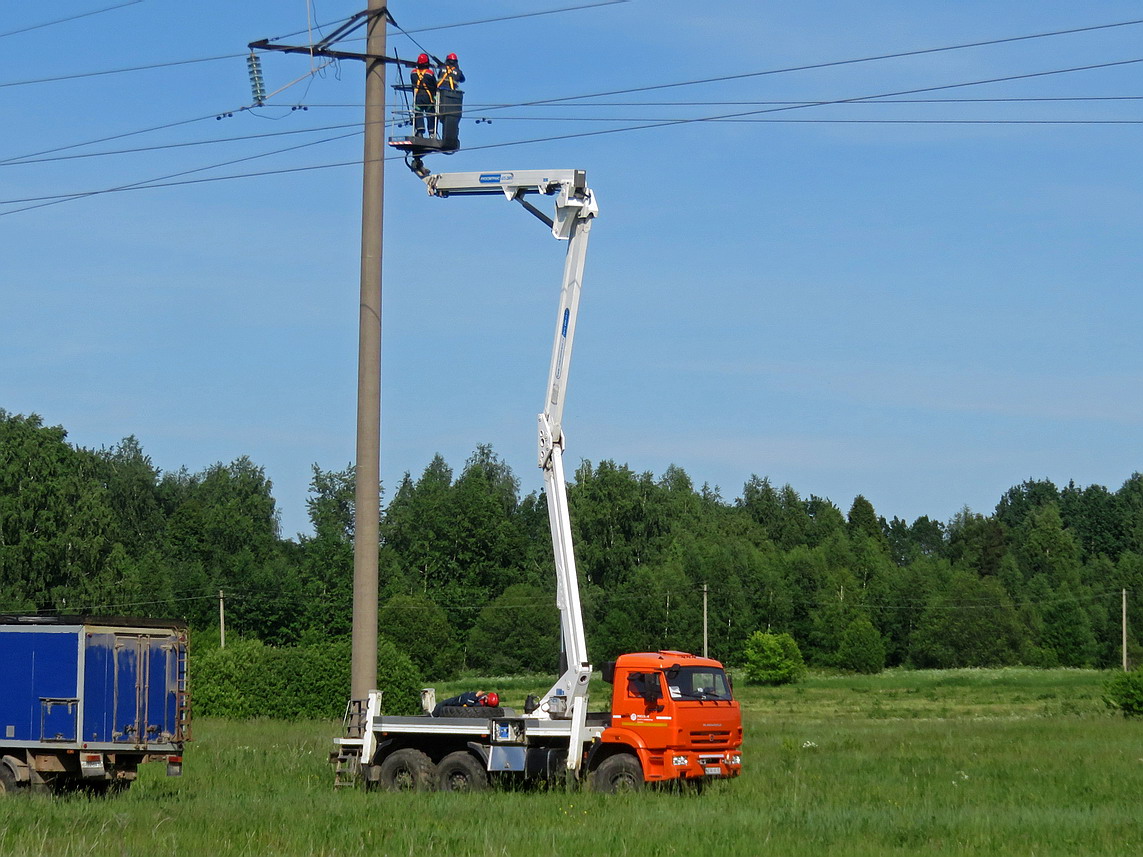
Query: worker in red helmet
424, 81
468, 699
451, 74
449, 100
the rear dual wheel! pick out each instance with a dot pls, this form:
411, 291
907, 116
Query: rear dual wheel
406, 770
461, 772
9, 785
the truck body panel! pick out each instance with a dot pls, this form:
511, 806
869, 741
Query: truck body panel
90, 697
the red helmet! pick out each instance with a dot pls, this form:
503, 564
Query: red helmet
423, 59
492, 699
450, 58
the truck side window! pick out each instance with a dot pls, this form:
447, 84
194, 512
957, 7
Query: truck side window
644, 686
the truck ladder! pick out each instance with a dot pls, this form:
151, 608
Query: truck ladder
347, 756
182, 694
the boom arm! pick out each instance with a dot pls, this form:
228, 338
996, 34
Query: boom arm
576, 208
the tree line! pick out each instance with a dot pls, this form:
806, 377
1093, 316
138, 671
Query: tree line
467, 577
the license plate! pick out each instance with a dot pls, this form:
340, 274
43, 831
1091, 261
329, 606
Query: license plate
713, 772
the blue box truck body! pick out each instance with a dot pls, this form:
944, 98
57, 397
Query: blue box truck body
85, 700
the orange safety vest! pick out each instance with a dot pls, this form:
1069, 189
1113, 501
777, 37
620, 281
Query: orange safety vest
448, 77
420, 84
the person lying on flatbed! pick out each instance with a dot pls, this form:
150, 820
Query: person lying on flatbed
469, 699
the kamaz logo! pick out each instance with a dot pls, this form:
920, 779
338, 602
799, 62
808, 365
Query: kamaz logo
494, 178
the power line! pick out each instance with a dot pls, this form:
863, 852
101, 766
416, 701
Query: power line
648, 125
75, 17
829, 121
562, 100
515, 17
111, 137
357, 125
462, 24
79, 75
160, 181
800, 101
188, 144
34, 157
837, 63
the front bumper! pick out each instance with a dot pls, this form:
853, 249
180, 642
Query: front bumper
707, 764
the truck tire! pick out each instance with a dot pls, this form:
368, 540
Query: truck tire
9, 785
619, 773
482, 711
461, 772
406, 770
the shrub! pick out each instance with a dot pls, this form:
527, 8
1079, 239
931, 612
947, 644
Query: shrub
1125, 692
250, 679
862, 650
421, 630
773, 659
517, 632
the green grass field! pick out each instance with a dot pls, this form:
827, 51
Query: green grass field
1012, 762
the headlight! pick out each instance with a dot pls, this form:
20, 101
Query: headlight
679, 761
734, 759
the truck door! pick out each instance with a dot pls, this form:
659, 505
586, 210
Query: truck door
160, 694
131, 686
128, 673
145, 685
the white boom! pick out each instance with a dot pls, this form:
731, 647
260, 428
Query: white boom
575, 209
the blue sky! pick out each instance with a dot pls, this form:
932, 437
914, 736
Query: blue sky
922, 312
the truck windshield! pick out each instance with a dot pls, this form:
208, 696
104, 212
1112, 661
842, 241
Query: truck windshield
697, 683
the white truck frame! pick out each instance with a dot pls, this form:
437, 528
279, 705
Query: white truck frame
561, 714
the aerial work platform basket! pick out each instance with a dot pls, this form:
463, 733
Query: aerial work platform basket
434, 131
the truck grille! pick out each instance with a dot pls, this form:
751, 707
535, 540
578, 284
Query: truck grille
710, 738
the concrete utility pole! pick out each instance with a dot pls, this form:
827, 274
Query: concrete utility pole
367, 503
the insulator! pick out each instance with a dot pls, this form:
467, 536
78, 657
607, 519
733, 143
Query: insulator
257, 85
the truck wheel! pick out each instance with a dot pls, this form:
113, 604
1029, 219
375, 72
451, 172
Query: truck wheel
461, 772
9, 785
406, 770
619, 773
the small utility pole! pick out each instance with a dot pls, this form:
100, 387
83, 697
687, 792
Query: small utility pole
704, 650
1124, 623
221, 621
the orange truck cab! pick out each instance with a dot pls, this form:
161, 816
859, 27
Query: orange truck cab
674, 713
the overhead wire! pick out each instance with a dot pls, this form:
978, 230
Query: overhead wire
858, 601
34, 157
646, 124
148, 67
837, 63
161, 181
69, 18
182, 145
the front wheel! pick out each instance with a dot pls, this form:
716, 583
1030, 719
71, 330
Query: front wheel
619, 773
461, 772
406, 770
